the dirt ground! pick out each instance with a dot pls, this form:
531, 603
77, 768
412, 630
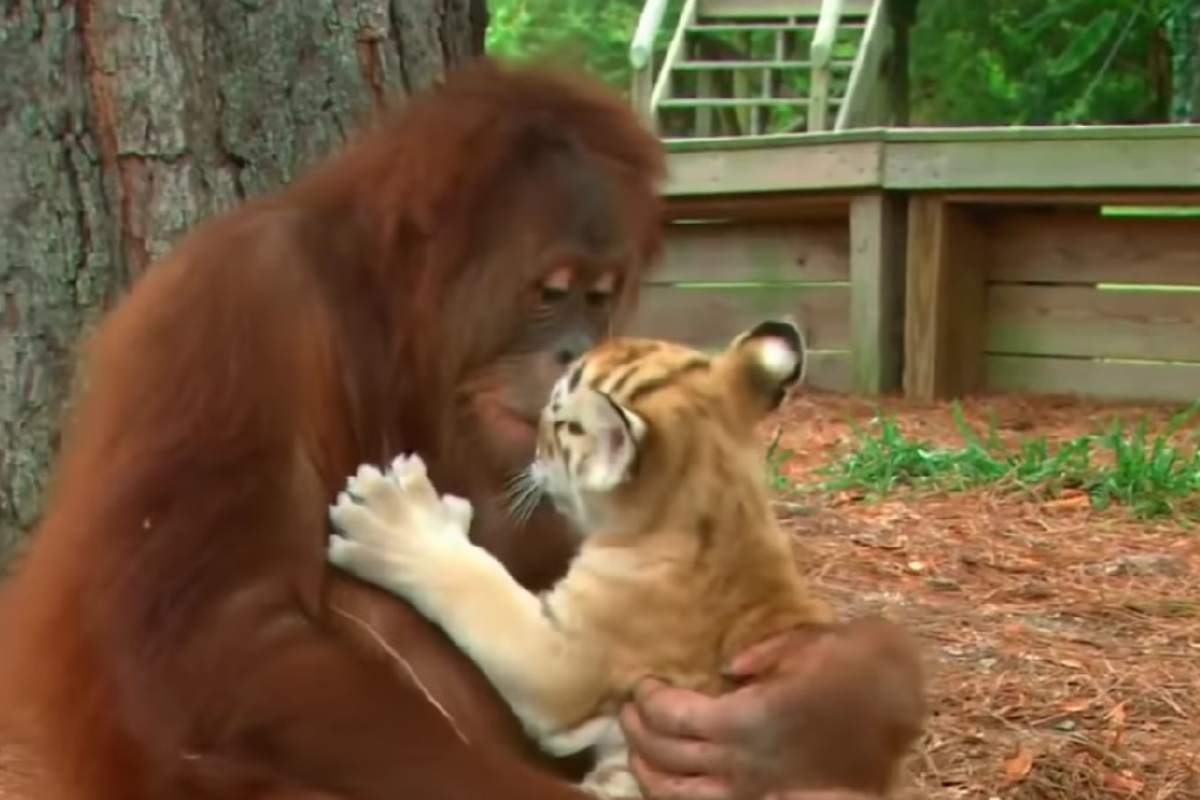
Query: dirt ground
1062, 643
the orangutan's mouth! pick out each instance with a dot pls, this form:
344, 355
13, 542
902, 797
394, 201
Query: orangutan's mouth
517, 417
517, 428
520, 421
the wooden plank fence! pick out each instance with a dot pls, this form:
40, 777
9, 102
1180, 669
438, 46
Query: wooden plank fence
723, 272
720, 277
913, 264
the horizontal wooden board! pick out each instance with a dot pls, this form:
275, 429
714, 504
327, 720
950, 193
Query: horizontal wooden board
1084, 321
776, 143
762, 252
1084, 197
1042, 164
1083, 247
711, 318
1143, 135
790, 206
773, 8
1106, 380
818, 167
1046, 133
795, 164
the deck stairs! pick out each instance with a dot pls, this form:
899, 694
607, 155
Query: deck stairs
736, 68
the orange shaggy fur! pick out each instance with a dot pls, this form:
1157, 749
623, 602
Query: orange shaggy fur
171, 634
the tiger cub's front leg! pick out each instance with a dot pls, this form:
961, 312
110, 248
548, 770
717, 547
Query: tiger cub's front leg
394, 531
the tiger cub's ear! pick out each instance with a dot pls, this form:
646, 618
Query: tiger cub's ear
772, 359
614, 434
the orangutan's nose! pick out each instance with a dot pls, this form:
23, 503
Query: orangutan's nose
571, 346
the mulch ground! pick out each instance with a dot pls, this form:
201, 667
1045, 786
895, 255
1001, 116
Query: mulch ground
1062, 642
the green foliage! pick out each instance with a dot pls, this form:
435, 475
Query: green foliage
1150, 475
777, 457
1031, 62
982, 62
587, 34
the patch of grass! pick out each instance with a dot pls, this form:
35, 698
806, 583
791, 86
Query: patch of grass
1149, 474
777, 457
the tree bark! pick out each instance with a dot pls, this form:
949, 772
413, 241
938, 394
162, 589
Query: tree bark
125, 122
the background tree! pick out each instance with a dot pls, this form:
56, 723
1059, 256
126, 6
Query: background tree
583, 33
1032, 62
1184, 28
124, 122
973, 62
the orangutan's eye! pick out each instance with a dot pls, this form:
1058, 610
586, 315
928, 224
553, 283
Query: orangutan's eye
556, 286
553, 294
601, 292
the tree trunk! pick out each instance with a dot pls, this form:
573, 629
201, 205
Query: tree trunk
1184, 30
124, 122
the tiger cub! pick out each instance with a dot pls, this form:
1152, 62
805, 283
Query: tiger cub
649, 448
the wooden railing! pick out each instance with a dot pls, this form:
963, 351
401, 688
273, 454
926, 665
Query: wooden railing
733, 86
641, 55
821, 54
686, 16
867, 98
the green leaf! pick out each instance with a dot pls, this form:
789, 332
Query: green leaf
1085, 45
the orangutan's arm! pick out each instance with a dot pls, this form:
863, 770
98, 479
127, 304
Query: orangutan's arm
308, 706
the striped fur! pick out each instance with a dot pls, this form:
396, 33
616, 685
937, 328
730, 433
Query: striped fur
682, 562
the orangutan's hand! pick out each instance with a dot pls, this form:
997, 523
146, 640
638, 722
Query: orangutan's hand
823, 713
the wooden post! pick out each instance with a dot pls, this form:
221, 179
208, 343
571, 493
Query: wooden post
877, 242
945, 300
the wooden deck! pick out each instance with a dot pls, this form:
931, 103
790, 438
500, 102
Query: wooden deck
942, 159
946, 261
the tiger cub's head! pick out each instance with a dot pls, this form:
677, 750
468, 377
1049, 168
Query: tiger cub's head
637, 423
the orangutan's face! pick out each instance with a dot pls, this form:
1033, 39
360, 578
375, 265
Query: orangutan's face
576, 249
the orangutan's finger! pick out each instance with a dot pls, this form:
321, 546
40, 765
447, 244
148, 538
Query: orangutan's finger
764, 656
659, 785
670, 754
669, 711
757, 658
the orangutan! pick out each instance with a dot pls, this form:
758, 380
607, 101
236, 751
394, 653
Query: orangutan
175, 632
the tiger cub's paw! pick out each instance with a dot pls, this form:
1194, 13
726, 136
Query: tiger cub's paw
612, 782
394, 514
